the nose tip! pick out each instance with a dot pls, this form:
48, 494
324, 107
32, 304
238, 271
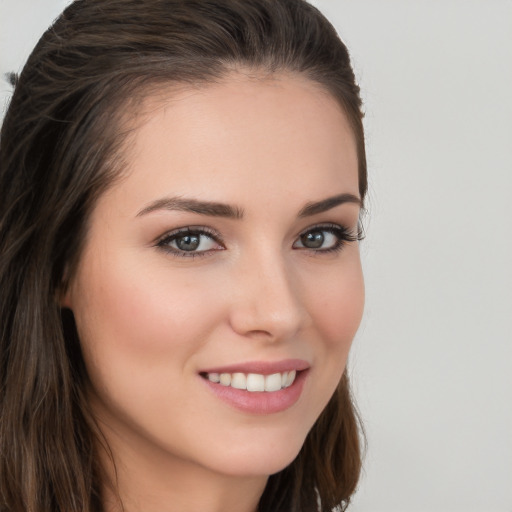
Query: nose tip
267, 305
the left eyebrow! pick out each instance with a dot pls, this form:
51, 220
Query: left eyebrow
326, 204
208, 208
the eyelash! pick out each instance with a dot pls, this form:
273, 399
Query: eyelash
163, 242
343, 234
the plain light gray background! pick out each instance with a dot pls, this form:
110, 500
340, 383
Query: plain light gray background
432, 363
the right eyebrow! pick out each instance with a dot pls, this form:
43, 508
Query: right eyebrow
209, 208
327, 204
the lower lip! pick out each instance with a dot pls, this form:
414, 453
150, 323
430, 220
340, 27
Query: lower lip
259, 402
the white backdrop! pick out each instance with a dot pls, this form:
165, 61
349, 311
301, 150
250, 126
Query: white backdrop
432, 363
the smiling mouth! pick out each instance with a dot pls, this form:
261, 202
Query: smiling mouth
253, 382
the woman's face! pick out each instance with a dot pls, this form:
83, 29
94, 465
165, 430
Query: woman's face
226, 251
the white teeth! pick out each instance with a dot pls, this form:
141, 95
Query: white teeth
239, 381
290, 378
273, 382
225, 379
254, 382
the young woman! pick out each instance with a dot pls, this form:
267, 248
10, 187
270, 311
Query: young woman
181, 184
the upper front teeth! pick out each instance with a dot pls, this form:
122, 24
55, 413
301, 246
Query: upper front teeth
254, 381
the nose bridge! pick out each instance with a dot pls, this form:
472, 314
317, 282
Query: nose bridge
267, 299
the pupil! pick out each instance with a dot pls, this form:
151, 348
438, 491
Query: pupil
188, 242
313, 240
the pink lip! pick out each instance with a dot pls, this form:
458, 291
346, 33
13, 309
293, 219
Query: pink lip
261, 367
260, 402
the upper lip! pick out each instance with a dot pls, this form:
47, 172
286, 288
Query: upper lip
261, 367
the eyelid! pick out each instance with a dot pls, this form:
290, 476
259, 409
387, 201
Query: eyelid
336, 227
161, 241
344, 234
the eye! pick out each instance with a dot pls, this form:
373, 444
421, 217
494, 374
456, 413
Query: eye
188, 242
326, 238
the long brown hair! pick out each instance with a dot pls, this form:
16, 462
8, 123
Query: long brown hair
59, 149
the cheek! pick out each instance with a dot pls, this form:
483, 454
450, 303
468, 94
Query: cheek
338, 310
131, 318
140, 331
138, 308
335, 314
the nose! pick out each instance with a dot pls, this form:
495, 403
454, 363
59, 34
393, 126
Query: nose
266, 301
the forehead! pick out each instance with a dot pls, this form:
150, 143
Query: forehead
243, 134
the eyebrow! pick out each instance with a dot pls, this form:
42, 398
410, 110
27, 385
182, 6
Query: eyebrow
326, 204
213, 209
209, 208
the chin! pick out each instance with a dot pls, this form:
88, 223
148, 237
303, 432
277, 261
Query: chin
263, 459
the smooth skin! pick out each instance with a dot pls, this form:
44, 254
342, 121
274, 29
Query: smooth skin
154, 308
